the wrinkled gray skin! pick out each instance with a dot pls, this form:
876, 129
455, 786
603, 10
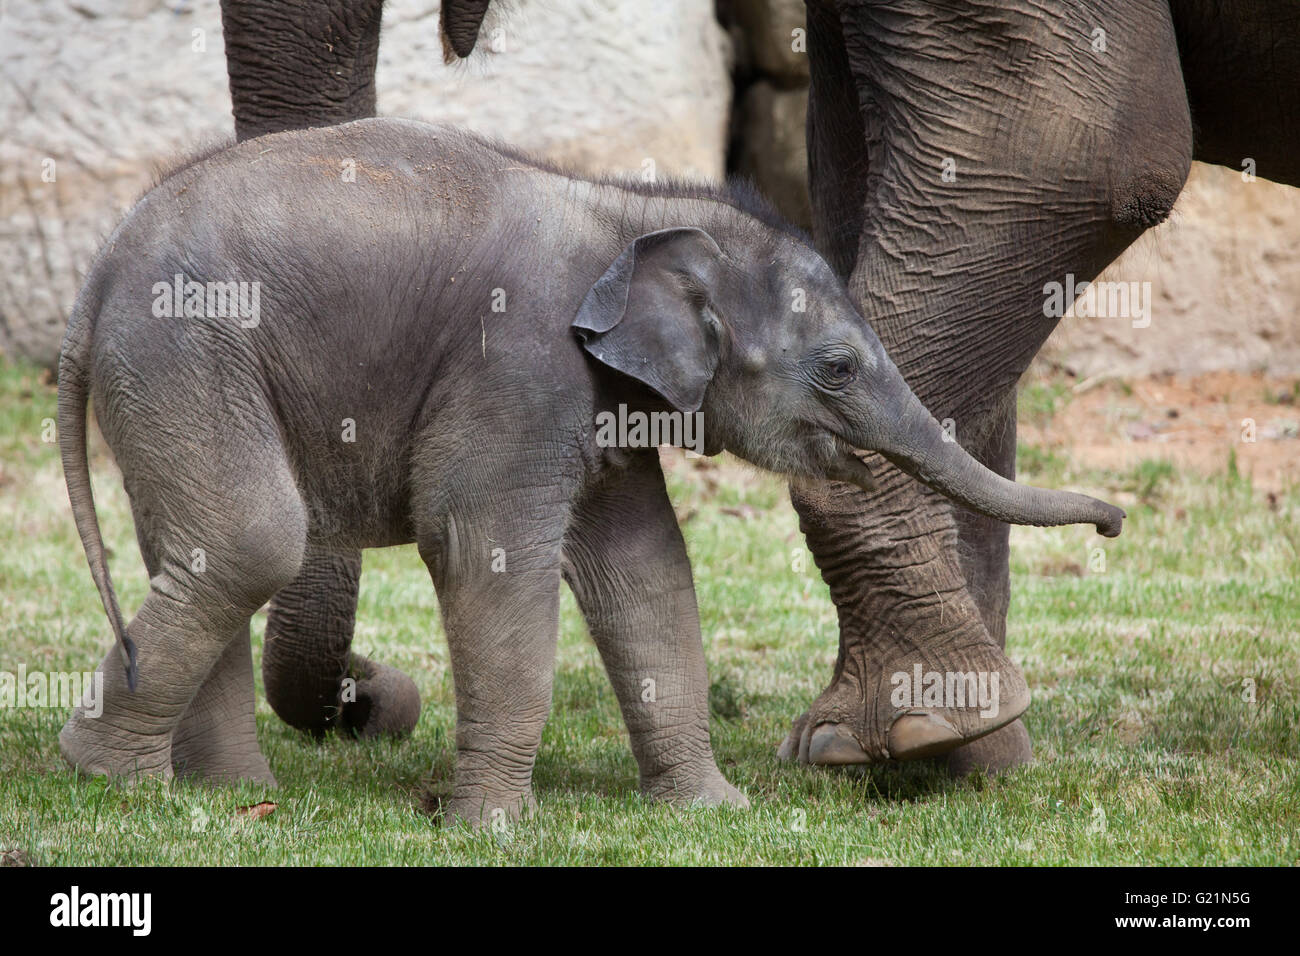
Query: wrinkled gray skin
293, 64
1064, 155
472, 430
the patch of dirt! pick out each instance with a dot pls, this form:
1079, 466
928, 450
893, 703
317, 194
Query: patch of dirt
1197, 422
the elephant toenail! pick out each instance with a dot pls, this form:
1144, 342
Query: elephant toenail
915, 735
834, 745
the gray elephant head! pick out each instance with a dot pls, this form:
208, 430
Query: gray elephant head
764, 340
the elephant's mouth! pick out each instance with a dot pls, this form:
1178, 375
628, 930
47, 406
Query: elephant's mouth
848, 463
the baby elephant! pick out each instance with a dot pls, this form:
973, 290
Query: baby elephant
388, 332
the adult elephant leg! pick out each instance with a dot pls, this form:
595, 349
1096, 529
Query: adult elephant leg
889, 559
307, 657
299, 63
293, 64
959, 627
985, 552
949, 236
904, 613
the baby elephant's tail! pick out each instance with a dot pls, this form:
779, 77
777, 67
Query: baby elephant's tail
74, 389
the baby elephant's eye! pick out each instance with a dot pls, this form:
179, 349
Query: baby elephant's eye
837, 371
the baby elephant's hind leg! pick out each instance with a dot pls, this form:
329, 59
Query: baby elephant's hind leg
216, 740
221, 535
217, 737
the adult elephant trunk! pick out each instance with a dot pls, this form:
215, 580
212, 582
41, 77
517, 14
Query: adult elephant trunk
460, 21
917, 443
314, 681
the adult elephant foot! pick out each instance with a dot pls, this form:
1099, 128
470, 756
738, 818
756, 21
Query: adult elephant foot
313, 680
910, 708
918, 674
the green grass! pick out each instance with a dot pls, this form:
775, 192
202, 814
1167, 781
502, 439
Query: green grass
1147, 751
1040, 399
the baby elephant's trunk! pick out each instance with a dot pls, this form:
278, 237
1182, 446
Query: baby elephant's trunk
916, 443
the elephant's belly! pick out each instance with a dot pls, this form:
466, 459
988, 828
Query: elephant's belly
357, 525
357, 507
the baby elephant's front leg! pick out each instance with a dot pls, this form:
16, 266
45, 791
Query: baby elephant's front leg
627, 565
500, 607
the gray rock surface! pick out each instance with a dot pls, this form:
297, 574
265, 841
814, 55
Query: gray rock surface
773, 152
95, 93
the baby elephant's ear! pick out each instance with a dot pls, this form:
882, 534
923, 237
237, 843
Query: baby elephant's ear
648, 315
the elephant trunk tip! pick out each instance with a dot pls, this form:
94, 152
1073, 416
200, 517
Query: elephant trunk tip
459, 25
1112, 520
453, 51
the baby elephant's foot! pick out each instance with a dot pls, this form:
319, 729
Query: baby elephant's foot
214, 760
481, 808
694, 787
95, 747
216, 738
